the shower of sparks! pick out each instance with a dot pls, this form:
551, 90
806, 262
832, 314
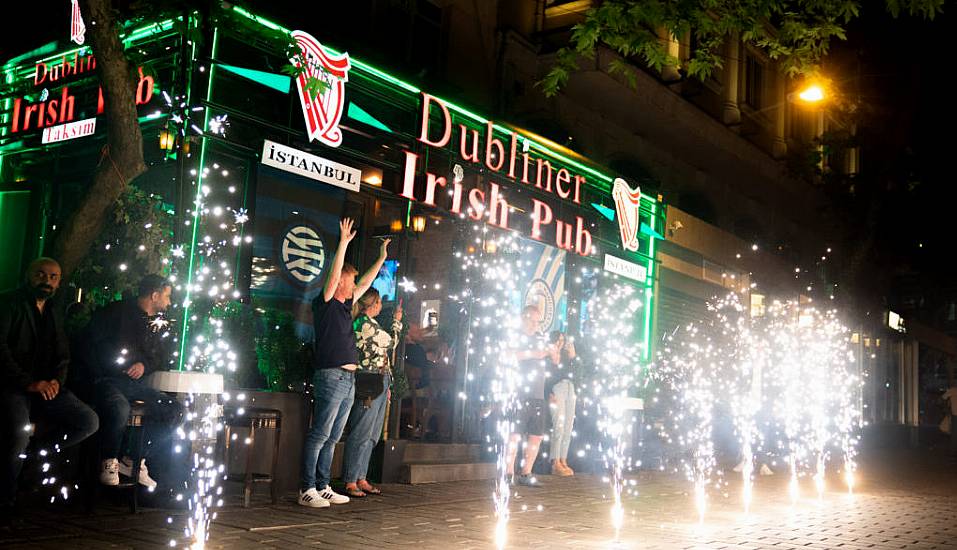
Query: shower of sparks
491, 266
159, 324
614, 345
207, 292
784, 381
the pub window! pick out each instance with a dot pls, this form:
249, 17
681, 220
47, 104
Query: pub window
753, 82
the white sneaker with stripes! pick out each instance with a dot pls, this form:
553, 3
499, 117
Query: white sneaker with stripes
332, 496
312, 499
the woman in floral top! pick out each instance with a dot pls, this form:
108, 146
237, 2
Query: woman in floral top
376, 347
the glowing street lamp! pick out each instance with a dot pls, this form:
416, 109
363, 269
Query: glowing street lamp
812, 94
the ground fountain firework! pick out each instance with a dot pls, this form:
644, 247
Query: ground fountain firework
617, 376
783, 382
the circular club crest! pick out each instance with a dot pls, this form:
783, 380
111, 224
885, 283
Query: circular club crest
302, 254
539, 294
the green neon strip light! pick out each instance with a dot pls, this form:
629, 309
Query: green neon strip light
275, 81
196, 202
650, 281
139, 33
358, 113
42, 50
148, 30
12, 146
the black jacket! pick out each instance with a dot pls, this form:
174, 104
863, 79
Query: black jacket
122, 326
22, 345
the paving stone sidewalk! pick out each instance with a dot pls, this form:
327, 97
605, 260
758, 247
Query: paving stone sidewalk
886, 511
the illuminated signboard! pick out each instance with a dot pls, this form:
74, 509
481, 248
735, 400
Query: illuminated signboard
895, 321
501, 159
60, 97
322, 112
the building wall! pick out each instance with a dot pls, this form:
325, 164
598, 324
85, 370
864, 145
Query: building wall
677, 134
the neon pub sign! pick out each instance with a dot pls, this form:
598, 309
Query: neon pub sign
502, 158
61, 108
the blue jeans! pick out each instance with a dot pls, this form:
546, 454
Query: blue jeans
563, 419
74, 421
365, 429
335, 390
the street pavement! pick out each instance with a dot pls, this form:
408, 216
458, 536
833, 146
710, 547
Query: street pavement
904, 499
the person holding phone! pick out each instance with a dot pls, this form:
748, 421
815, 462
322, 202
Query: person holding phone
376, 346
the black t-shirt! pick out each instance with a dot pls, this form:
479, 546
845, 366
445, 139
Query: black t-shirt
335, 343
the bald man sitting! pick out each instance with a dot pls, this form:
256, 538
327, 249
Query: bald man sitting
34, 356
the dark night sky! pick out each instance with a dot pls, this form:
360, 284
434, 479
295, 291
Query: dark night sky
904, 67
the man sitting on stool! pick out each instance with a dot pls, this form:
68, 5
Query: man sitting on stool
34, 355
126, 344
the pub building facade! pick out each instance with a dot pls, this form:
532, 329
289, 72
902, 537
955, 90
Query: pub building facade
218, 111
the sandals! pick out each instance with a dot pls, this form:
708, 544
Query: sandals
355, 492
372, 490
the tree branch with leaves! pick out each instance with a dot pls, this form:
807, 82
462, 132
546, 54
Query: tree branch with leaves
796, 33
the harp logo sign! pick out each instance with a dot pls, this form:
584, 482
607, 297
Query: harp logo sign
322, 113
627, 204
303, 254
77, 28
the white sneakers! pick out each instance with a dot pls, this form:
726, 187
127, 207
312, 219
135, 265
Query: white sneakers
321, 499
110, 472
112, 468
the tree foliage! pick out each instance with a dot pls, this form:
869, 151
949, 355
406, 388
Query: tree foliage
133, 242
796, 33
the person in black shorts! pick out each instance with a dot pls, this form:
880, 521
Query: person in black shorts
533, 354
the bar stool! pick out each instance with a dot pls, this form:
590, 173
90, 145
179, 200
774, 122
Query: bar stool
254, 419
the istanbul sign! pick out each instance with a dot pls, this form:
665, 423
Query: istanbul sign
311, 166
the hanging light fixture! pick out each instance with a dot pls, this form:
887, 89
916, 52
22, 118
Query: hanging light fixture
418, 224
166, 140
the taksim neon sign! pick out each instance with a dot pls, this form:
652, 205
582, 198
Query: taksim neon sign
504, 159
321, 113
